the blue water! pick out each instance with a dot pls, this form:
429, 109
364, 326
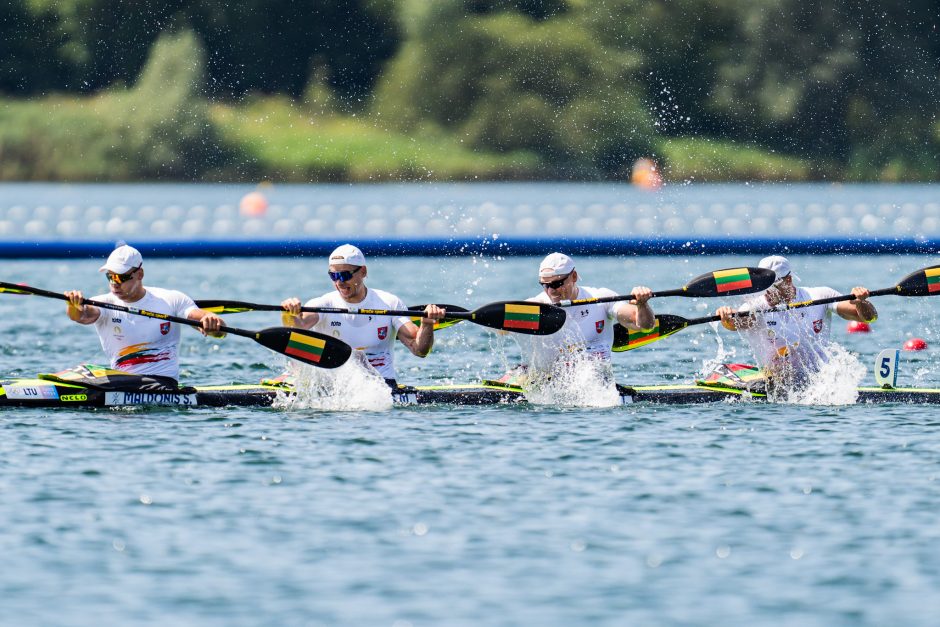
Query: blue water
720, 514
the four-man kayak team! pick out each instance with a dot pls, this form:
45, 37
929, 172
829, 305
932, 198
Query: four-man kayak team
790, 345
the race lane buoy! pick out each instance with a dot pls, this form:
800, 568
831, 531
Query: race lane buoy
253, 204
915, 344
856, 326
646, 175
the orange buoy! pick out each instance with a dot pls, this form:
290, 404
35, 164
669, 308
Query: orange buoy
645, 174
915, 344
855, 326
253, 204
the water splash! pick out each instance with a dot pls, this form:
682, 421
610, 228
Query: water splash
354, 386
836, 382
578, 381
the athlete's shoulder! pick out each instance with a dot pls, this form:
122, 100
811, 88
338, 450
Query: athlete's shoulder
596, 292
390, 300
165, 294
815, 293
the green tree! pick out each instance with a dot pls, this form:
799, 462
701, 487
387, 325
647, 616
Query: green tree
507, 80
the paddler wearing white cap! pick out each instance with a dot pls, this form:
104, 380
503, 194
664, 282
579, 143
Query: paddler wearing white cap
373, 335
791, 344
588, 328
137, 344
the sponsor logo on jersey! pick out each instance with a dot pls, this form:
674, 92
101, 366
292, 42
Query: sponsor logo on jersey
599, 326
164, 328
818, 326
383, 332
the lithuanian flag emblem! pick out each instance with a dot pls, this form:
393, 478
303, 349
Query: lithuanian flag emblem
933, 280
733, 279
521, 317
639, 338
304, 346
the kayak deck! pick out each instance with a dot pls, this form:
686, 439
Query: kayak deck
43, 393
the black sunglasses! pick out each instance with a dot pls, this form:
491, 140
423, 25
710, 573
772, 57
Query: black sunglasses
117, 279
344, 275
555, 284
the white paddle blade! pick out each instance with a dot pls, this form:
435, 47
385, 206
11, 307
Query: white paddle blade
886, 368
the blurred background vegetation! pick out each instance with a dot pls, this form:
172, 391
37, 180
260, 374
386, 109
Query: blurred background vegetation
371, 90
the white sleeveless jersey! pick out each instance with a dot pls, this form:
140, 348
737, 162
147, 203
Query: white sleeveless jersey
587, 328
799, 336
144, 345
374, 335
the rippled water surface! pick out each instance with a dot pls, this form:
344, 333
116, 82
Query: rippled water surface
710, 514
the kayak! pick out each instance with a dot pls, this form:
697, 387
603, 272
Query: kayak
45, 393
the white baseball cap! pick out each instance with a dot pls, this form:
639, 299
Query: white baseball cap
779, 265
348, 254
556, 264
122, 259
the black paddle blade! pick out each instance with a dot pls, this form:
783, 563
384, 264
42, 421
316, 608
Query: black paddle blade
521, 316
925, 282
730, 282
440, 324
309, 347
224, 306
627, 339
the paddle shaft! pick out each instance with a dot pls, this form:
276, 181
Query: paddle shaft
809, 303
727, 282
330, 310
133, 310
619, 297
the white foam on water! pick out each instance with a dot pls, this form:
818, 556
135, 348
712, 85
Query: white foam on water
579, 381
354, 386
836, 382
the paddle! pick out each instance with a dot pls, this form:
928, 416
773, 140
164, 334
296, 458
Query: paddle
727, 282
514, 315
309, 347
232, 306
923, 282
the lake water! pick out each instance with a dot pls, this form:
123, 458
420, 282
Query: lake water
737, 513
719, 514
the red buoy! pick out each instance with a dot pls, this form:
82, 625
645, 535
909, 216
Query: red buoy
856, 326
915, 344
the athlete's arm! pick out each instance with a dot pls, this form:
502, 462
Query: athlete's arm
82, 314
210, 322
293, 317
860, 309
420, 340
639, 316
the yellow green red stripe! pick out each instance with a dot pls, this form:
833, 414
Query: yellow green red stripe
933, 280
639, 338
521, 316
305, 346
733, 279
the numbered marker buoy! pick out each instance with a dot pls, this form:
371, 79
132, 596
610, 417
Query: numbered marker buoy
886, 368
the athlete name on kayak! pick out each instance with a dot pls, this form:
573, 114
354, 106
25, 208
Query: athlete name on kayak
148, 398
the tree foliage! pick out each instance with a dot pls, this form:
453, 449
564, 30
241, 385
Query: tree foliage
586, 85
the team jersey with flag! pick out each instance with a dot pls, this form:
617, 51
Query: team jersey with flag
797, 338
144, 345
373, 335
587, 328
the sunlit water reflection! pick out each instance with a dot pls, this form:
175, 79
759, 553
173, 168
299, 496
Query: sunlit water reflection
335, 514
